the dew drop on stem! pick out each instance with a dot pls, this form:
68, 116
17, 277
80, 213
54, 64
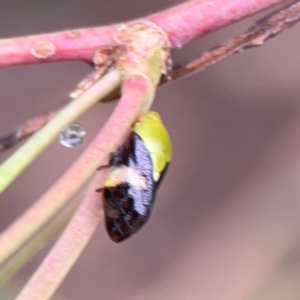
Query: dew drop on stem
72, 135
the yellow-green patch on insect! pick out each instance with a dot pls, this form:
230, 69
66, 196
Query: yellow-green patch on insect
136, 170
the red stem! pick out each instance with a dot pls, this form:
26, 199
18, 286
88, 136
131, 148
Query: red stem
77, 44
182, 23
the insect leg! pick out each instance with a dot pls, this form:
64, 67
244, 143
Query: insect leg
103, 167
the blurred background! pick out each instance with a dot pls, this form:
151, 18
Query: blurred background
226, 220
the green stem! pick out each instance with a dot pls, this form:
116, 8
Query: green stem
16, 163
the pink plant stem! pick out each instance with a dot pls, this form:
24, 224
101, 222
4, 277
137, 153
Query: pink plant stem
182, 23
66, 250
79, 44
112, 135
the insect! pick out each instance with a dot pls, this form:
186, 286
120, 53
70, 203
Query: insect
136, 171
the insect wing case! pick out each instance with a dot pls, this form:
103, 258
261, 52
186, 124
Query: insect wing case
128, 204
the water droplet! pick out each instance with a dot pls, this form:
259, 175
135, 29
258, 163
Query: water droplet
72, 135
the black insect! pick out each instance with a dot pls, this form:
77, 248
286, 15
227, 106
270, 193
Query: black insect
136, 170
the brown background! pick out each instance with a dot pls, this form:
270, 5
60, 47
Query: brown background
226, 220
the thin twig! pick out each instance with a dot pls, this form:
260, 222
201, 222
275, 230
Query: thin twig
17, 162
27, 129
104, 58
256, 35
